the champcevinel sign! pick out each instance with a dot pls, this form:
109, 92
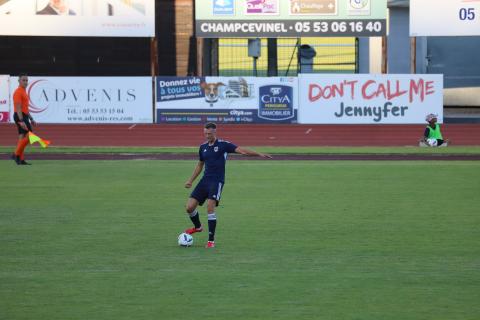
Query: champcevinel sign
290, 18
369, 99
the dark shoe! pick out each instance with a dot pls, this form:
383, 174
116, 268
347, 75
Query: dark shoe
445, 143
15, 158
24, 163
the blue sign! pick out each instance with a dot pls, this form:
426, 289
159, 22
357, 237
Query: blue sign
179, 88
223, 7
276, 103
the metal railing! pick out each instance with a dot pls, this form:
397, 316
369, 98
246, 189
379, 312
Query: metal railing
333, 55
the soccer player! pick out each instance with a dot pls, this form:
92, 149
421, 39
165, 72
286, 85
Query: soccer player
22, 118
213, 155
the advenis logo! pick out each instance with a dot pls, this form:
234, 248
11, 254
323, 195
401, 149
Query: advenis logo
4, 116
44, 94
32, 90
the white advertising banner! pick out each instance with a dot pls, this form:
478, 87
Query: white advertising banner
82, 18
4, 98
444, 18
227, 99
369, 99
89, 99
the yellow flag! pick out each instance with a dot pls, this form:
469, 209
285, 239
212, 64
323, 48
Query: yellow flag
34, 138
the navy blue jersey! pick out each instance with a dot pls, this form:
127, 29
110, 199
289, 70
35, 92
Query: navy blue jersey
215, 157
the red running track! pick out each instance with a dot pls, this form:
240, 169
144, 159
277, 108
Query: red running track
170, 135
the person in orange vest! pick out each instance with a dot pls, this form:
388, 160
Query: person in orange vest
22, 119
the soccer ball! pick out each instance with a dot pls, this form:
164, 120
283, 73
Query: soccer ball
185, 240
432, 142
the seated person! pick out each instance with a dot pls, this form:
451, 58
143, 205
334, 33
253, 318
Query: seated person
432, 137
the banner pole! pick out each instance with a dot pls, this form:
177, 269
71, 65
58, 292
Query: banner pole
413, 55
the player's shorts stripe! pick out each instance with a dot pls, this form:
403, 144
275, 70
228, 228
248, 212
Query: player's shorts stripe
219, 190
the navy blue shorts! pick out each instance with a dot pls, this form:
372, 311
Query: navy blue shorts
208, 189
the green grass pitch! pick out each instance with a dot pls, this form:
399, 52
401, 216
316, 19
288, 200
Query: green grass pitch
295, 240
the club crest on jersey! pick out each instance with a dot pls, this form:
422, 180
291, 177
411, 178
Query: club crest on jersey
215, 149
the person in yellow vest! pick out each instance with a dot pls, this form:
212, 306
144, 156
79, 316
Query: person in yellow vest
432, 137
